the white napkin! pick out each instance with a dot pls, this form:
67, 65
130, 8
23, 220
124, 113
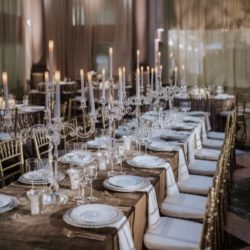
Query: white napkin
126, 241
153, 209
182, 168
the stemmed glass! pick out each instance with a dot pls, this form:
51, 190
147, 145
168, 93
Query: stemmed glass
91, 174
119, 154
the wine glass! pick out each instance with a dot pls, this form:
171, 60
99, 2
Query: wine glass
31, 164
91, 174
119, 154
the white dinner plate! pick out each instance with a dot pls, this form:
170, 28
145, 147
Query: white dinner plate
97, 143
161, 146
92, 215
11, 203
4, 200
126, 181
76, 157
147, 161
174, 135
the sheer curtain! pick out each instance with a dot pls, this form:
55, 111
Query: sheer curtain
210, 41
11, 43
83, 30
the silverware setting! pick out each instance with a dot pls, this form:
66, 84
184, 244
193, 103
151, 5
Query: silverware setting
73, 234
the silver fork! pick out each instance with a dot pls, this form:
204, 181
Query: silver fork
92, 236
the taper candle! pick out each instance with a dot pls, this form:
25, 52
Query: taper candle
137, 58
58, 97
91, 94
142, 76
5, 90
103, 83
138, 83
120, 85
46, 77
152, 78
51, 55
110, 63
82, 84
124, 80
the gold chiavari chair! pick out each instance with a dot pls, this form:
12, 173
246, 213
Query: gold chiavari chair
67, 132
11, 129
11, 160
40, 142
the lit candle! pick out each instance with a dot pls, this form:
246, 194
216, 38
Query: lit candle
183, 73
175, 75
156, 79
58, 101
152, 78
46, 77
159, 33
51, 53
156, 50
142, 76
124, 80
91, 94
159, 58
137, 58
138, 83
160, 74
5, 90
120, 85
82, 83
103, 83
148, 78
110, 63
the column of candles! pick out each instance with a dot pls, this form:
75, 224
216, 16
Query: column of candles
51, 53
124, 80
58, 101
46, 77
137, 59
5, 90
91, 94
120, 85
160, 75
82, 84
152, 79
138, 83
110, 63
103, 83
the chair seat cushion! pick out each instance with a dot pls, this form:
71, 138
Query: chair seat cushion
185, 206
202, 167
207, 154
216, 135
214, 144
172, 233
195, 184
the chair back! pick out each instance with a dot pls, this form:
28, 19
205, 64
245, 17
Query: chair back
11, 160
40, 142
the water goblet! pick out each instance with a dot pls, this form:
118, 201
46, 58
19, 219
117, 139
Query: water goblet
31, 164
91, 174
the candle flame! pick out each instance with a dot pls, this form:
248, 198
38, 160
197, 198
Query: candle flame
51, 45
57, 76
46, 76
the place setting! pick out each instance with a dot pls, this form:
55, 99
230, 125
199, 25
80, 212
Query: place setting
173, 135
7, 203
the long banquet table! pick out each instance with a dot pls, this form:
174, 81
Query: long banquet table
20, 230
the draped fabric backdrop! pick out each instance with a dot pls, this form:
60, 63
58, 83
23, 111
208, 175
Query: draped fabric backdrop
210, 41
83, 31
11, 43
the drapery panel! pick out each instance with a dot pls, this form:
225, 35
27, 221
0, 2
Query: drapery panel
209, 41
83, 30
11, 43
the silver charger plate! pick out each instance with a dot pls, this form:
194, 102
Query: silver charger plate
92, 216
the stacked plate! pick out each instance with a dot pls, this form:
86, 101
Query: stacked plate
196, 113
39, 177
125, 183
122, 130
146, 161
161, 146
173, 135
99, 142
184, 126
76, 157
192, 119
7, 203
92, 216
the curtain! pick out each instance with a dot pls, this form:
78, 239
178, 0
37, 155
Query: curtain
209, 41
83, 31
11, 44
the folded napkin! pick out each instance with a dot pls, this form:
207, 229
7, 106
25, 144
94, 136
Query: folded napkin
126, 241
153, 209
